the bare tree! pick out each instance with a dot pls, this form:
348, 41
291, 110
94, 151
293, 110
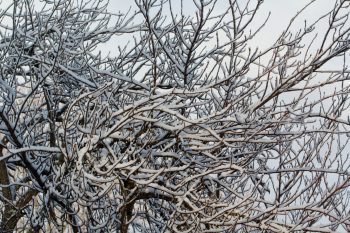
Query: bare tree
187, 128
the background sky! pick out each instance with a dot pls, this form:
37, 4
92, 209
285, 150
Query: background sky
281, 13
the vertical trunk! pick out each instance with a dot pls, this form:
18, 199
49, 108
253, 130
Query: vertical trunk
7, 222
126, 217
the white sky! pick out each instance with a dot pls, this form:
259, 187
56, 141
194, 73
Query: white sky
281, 13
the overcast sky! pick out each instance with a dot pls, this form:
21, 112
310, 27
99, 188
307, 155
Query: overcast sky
281, 13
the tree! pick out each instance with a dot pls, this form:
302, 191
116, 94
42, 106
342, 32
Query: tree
187, 128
